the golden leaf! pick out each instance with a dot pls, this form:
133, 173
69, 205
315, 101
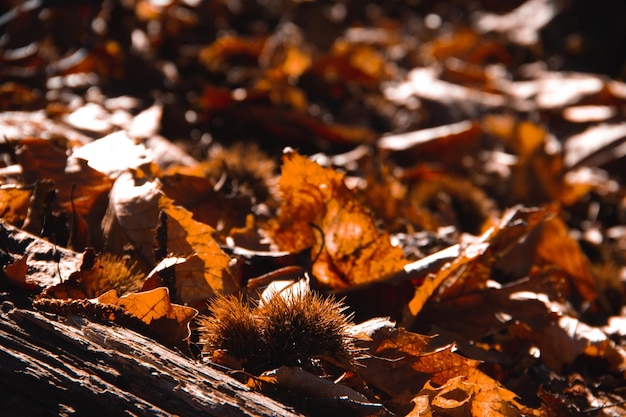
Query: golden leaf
170, 322
206, 271
354, 251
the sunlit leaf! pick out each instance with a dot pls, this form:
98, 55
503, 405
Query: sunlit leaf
169, 321
557, 248
521, 25
319, 211
471, 271
132, 215
206, 272
47, 264
14, 205
114, 154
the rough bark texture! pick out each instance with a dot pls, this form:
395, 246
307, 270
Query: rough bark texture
52, 366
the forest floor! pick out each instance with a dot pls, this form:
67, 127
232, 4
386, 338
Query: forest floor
400, 207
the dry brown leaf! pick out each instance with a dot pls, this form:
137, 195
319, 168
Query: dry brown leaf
293, 127
353, 250
192, 190
206, 272
556, 247
134, 214
536, 175
217, 55
471, 270
17, 125
48, 264
446, 144
558, 90
395, 353
354, 63
465, 44
298, 380
596, 145
475, 394
424, 83
16, 274
92, 118
14, 205
114, 154
170, 322
563, 340
521, 25
43, 159
404, 368
148, 305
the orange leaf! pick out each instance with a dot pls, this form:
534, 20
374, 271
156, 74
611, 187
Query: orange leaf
471, 270
206, 272
147, 305
474, 394
412, 371
135, 207
558, 248
41, 159
354, 251
14, 205
16, 274
170, 322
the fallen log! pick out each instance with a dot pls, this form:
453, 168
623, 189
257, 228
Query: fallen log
63, 366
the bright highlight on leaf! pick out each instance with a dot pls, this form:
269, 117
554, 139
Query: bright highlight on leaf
206, 272
458, 188
169, 321
134, 214
319, 212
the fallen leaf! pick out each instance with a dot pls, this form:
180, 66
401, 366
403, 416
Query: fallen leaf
169, 321
521, 25
596, 145
221, 53
296, 379
471, 270
16, 274
557, 248
134, 215
42, 159
206, 272
565, 339
446, 144
14, 205
352, 249
536, 173
423, 83
48, 264
464, 44
114, 154
402, 366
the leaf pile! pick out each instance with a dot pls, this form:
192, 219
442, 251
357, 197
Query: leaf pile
452, 171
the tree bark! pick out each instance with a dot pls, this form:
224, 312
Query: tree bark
51, 366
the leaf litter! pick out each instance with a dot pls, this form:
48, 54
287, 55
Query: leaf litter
453, 175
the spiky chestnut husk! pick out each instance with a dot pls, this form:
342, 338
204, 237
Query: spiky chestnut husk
293, 329
232, 328
249, 170
298, 328
114, 272
448, 200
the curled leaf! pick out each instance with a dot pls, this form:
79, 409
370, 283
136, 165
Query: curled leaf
319, 211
